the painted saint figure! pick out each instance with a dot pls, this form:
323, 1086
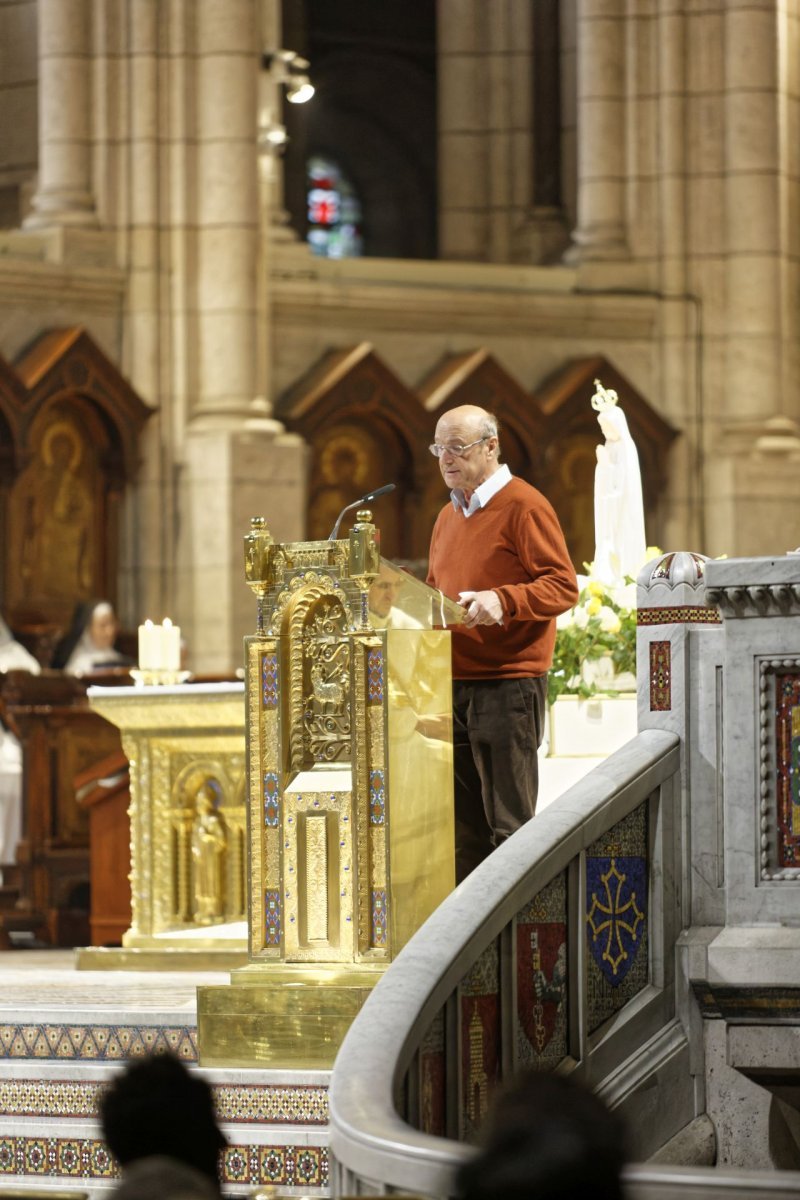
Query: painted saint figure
618, 507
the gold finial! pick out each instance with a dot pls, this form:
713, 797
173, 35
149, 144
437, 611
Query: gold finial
603, 398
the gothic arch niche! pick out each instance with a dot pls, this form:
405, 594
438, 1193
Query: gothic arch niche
572, 433
365, 429
76, 432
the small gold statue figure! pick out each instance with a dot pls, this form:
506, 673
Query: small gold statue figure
209, 843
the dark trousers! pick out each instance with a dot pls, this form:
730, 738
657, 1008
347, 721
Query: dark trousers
497, 729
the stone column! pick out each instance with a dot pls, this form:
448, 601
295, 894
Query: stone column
64, 194
752, 212
753, 450
227, 208
238, 461
485, 106
601, 231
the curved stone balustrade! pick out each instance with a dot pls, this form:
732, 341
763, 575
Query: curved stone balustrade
374, 1146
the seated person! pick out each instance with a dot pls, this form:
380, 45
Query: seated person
89, 644
13, 657
165, 1178
157, 1107
546, 1137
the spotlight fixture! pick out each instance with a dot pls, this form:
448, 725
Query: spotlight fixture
288, 68
299, 89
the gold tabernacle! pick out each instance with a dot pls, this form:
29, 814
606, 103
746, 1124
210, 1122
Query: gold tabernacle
350, 794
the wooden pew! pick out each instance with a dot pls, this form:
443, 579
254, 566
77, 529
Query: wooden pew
61, 739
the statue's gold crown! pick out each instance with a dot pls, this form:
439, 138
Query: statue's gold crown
603, 398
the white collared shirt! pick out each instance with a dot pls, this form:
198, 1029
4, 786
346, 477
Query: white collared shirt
483, 493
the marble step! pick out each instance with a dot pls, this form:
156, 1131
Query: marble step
63, 1035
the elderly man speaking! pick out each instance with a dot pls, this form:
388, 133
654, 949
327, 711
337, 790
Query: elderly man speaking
497, 547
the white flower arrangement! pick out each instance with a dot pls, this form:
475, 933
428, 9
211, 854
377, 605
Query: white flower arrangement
595, 647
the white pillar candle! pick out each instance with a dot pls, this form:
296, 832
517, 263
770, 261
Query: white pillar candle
149, 639
170, 646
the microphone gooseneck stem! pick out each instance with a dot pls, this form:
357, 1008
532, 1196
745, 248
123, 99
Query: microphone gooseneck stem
373, 495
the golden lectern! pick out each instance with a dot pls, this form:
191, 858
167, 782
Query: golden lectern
350, 794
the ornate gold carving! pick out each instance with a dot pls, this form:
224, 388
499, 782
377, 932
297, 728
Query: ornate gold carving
316, 881
314, 634
311, 819
361, 788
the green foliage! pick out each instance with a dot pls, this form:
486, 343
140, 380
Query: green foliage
601, 631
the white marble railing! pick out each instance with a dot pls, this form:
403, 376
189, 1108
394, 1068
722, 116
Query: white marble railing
377, 1078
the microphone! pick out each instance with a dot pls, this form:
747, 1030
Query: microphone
381, 491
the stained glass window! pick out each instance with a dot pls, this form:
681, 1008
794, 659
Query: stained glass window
334, 211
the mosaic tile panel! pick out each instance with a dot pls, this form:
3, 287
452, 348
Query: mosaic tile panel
269, 680
375, 676
36, 1158
660, 677
787, 766
272, 797
256, 1103
379, 923
433, 1080
272, 918
682, 614
284, 1166
616, 917
234, 1103
95, 1042
49, 1157
479, 1000
377, 798
542, 981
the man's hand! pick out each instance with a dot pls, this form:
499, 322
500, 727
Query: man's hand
483, 608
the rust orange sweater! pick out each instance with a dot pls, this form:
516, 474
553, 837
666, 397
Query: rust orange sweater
515, 547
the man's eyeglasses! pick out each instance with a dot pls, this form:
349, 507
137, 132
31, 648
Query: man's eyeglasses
457, 451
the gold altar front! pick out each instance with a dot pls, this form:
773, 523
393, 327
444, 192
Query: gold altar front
350, 805
186, 749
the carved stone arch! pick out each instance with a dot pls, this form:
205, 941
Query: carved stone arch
570, 442
77, 435
365, 429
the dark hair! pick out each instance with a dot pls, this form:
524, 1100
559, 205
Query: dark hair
157, 1107
546, 1138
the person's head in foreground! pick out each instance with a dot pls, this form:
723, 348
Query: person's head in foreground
157, 1107
547, 1137
165, 1178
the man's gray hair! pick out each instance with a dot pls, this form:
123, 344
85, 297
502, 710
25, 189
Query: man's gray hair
490, 427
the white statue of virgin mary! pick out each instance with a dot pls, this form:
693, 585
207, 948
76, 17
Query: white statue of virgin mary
618, 508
